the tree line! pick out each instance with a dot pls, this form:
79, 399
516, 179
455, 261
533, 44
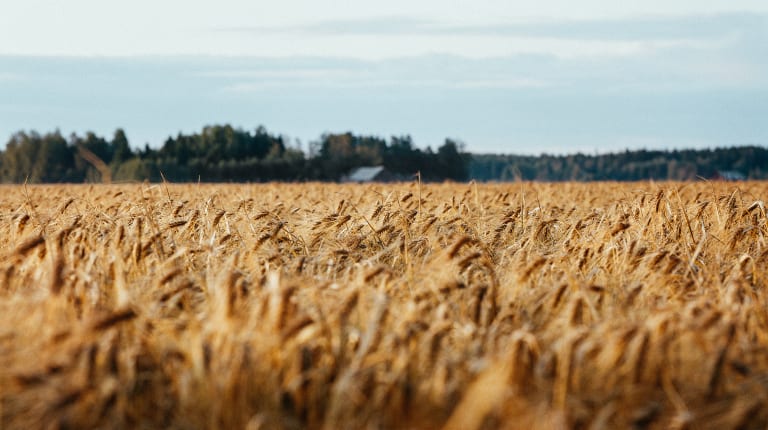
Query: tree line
221, 153
749, 162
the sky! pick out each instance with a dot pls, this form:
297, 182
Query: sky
500, 76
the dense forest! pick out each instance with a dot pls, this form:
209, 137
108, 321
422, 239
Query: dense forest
744, 162
222, 153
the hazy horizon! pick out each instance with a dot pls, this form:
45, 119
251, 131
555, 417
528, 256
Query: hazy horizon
553, 77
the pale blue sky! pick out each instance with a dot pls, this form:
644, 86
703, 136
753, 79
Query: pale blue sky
556, 76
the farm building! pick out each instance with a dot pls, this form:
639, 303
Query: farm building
729, 175
370, 174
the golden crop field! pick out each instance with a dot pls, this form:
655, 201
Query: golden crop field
322, 306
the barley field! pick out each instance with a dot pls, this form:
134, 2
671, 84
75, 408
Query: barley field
406, 306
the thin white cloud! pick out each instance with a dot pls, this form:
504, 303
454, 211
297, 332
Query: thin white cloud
276, 74
624, 28
9, 108
245, 87
10, 77
178, 27
391, 37
367, 47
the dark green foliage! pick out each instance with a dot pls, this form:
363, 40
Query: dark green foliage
223, 154
35, 158
340, 153
121, 150
750, 161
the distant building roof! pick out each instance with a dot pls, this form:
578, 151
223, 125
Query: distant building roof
730, 175
365, 174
